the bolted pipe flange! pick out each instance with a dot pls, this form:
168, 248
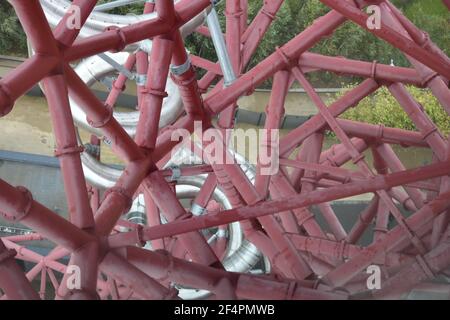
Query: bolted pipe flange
25, 206
197, 210
102, 122
121, 35
123, 193
68, 150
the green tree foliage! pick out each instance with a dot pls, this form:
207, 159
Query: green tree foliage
12, 38
294, 16
349, 40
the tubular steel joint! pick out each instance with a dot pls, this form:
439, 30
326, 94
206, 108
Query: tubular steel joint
358, 158
171, 263
25, 207
103, 122
141, 79
123, 193
197, 210
176, 173
157, 93
268, 14
82, 294
288, 62
5, 96
374, 69
272, 212
121, 35
68, 150
181, 69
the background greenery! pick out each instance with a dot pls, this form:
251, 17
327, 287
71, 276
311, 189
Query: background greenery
294, 16
382, 108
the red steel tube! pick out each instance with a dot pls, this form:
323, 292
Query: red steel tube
117, 39
18, 205
259, 26
161, 265
393, 162
167, 202
341, 250
380, 133
274, 115
120, 269
153, 219
150, 110
17, 82
233, 14
286, 203
186, 81
12, 279
375, 70
269, 66
68, 152
118, 85
34, 23
428, 129
388, 34
356, 156
101, 117
351, 98
343, 273
118, 199
66, 35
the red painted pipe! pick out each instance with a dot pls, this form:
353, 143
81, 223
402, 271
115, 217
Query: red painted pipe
375, 70
100, 116
388, 34
66, 35
348, 100
117, 39
186, 81
12, 279
17, 204
245, 286
167, 202
287, 203
150, 110
343, 273
120, 269
118, 85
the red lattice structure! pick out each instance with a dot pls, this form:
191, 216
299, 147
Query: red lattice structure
307, 262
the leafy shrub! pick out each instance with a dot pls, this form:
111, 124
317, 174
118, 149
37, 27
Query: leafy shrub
383, 108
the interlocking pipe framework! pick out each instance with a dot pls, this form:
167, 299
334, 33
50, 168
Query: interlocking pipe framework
307, 260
